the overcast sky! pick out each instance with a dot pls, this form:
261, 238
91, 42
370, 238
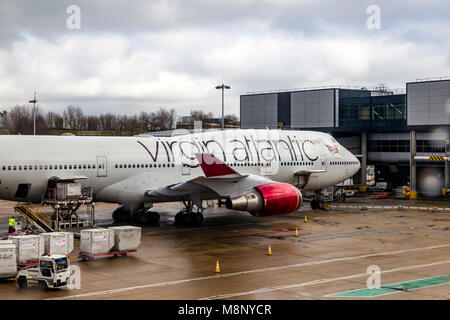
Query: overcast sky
133, 55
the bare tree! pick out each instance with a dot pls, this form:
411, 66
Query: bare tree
4, 119
20, 120
199, 115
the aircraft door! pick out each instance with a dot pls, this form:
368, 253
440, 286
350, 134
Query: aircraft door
101, 167
321, 163
185, 170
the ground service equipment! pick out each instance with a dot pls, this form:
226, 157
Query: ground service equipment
52, 272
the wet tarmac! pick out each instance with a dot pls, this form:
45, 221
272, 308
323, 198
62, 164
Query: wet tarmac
331, 255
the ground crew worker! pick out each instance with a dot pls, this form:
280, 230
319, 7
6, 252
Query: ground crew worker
11, 228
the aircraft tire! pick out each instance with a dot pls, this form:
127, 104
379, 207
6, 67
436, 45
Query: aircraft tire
180, 219
141, 217
121, 214
198, 218
153, 218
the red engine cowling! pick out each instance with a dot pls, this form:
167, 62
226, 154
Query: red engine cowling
268, 200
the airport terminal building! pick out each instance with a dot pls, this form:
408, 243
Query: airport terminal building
395, 132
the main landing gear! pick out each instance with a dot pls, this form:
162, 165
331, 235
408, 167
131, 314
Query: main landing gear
122, 214
141, 216
188, 216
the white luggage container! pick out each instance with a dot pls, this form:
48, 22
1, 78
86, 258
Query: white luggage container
8, 260
96, 241
58, 242
68, 191
126, 238
28, 248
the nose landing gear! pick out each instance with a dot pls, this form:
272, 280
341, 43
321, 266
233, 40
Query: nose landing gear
317, 202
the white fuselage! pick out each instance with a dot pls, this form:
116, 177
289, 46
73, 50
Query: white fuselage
121, 169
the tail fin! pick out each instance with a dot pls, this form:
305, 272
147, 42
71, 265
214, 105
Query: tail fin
213, 167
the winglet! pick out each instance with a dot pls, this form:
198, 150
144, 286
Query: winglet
213, 167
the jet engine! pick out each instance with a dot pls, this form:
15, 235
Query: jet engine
268, 200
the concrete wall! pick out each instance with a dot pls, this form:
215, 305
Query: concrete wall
259, 111
312, 109
428, 103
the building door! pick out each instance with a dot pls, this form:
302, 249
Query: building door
101, 167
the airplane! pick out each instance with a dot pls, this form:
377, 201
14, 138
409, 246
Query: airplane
263, 172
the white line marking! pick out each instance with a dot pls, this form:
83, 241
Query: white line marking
320, 281
233, 274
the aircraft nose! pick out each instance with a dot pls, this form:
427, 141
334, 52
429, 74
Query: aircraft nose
357, 163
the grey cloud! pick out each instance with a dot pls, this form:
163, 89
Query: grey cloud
139, 54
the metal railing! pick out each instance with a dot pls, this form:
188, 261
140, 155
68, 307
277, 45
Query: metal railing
32, 214
433, 79
350, 87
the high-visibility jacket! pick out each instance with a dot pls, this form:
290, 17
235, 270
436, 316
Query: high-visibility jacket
12, 222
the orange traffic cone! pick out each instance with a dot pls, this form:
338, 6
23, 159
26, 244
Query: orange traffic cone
217, 267
269, 250
306, 219
296, 232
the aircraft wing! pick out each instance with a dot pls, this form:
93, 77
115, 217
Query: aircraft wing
220, 181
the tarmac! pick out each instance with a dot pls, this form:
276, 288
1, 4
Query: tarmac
334, 257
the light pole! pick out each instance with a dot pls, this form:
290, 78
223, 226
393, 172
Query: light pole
34, 112
223, 87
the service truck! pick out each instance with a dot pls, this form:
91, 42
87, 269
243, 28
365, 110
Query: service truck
51, 272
